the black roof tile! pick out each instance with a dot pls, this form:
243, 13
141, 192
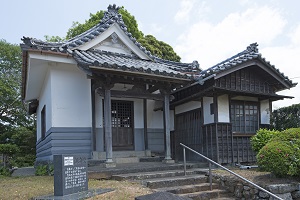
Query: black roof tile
90, 57
250, 53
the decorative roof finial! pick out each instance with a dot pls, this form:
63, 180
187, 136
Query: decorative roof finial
253, 47
112, 12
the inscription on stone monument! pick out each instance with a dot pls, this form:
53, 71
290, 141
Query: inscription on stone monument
70, 174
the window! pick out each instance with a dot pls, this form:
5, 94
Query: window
43, 122
212, 110
122, 114
244, 116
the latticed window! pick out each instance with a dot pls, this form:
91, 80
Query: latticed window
244, 116
122, 114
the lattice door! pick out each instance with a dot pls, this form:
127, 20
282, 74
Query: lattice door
122, 125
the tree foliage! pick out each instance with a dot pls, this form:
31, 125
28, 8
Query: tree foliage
158, 48
14, 120
12, 112
286, 117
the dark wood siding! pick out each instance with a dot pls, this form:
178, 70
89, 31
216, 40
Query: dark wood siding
242, 149
249, 79
188, 132
220, 145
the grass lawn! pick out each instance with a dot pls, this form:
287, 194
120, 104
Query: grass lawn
33, 186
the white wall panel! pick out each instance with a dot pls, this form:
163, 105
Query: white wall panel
192, 105
71, 97
208, 118
265, 112
223, 109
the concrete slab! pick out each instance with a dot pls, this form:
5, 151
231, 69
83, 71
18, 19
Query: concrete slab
160, 196
24, 171
75, 196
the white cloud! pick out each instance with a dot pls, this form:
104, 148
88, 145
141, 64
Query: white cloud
285, 58
154, 29
211, 43
295, 35
183, 13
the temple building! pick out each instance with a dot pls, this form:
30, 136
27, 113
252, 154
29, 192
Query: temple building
104, 95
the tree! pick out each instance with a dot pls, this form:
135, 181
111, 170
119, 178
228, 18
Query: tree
158, 48
13, 115
286, 117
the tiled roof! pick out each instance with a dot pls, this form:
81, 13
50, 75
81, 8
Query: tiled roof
96, 57
104, 59
250, 53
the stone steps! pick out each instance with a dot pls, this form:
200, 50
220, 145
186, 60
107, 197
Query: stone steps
208, 194
100, 172
165, 179
188, 188
152, 175
174, 181
193, 186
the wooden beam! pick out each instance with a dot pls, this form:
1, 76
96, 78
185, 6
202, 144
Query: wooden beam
132, 94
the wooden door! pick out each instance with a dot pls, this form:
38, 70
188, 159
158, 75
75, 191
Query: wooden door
122, 125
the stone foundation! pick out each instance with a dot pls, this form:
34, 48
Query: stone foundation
243, 190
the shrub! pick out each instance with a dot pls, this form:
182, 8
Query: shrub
4, 171
23, 161
44, 170
281, 155
262, 137
8, 150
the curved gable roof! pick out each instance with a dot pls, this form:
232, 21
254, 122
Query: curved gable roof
99, 58
251, 53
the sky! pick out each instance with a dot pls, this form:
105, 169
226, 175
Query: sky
207, 31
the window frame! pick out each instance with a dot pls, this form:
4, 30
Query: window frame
250, 117
43, 122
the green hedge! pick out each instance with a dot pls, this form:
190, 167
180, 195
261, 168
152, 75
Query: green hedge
261, 138
281, 155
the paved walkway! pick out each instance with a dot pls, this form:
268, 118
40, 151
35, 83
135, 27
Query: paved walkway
24, 171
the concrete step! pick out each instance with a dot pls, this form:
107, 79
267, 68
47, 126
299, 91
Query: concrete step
188, 188
126, 168
174, 181
152, 175
208, 194
152, 159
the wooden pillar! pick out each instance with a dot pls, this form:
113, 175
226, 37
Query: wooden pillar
168, 158
145, 124
93, 116
108, 127
167, 126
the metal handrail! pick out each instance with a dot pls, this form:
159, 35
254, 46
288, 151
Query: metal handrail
215, 163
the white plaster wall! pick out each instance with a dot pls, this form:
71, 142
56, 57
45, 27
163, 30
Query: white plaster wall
71, 97
265, 111
223, 108
138, 113
155, 118
99, 111
192, 105
208, 118
45, 99
172, 120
